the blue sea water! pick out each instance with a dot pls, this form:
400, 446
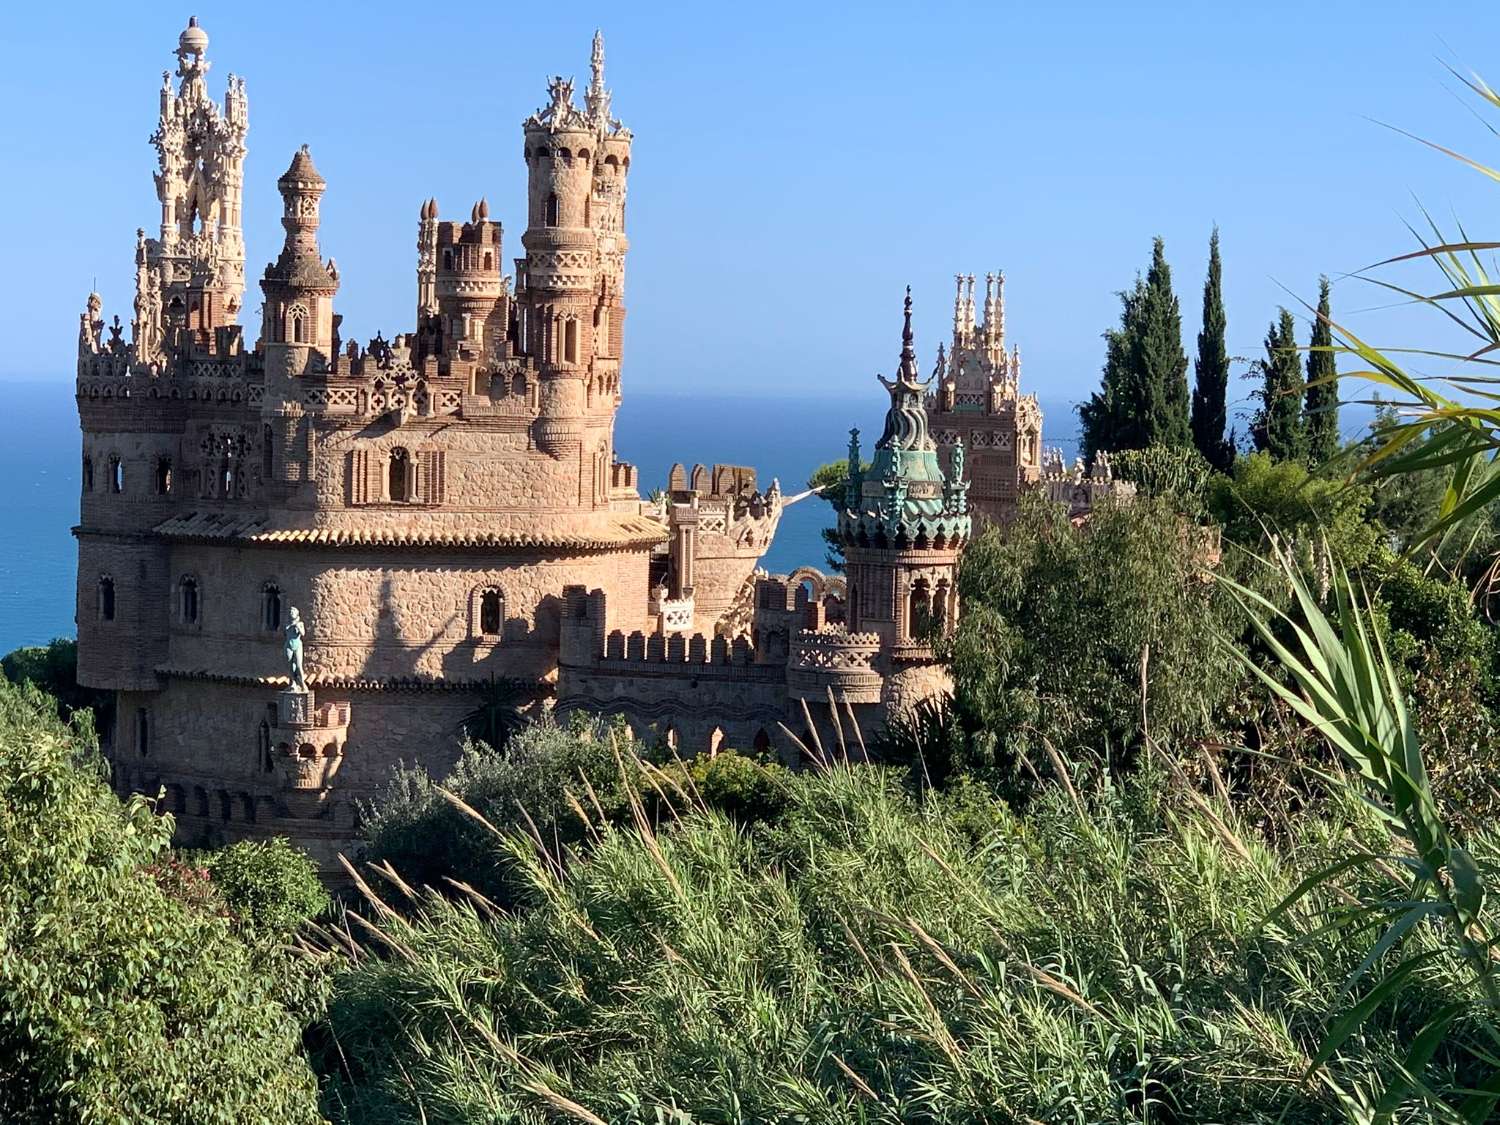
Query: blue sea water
786, 439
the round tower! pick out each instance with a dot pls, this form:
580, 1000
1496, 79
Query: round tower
571, 315
903, 526
297, 329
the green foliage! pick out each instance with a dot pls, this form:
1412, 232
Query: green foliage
1267, 498
53, 668
832, 478
547, 773
1321, 418
875, 957
1144, 397
270, 887
1057, 620
1177, 474
1211, 369
1278, 428
125, 995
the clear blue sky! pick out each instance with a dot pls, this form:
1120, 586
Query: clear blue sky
795, 165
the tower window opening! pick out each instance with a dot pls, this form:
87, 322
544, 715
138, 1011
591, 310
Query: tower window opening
570, 340
919, 617
267, 451
447, 259
940, 605
270, 607
552, 210
263, 747
142, 731
116, 475
491, 613
106, 598
187, 597
397, 484
88, 474
489, 260
163, 476
226, 478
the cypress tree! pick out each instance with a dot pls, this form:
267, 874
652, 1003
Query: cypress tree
1143, 399
1279, 429
1211, 371
1160, 363
1109, 420
1322, 411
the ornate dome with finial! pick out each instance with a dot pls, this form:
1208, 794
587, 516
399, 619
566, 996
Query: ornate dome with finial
903, 496
193, 40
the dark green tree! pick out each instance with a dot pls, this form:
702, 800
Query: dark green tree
1279, 430
1160, 361
1322, 411
1143, 399
1211, 371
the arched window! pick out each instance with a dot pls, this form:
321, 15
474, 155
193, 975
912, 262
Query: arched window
226, 478
518, 385
88, 474
491, 613
489, 260
398, 475
142, 732
940, 605
551, 217
116, 474
919, 616
762, 743
297, 324
570, 340
270, 607
263, 747
447, 259
106, 598
187, 600
163, 476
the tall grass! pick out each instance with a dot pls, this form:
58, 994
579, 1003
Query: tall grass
875, 956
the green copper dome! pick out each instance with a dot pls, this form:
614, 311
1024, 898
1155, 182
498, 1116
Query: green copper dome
902, 498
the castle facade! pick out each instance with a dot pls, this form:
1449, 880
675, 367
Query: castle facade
446, 508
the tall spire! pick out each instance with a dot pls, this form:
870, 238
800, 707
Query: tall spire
907, 372
597, 98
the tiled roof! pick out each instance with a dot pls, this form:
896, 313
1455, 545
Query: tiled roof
617, 531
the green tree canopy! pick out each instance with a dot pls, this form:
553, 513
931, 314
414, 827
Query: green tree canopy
125, 994
1143, 399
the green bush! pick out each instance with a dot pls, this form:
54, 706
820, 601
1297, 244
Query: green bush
1056, 622
125, 994
545, 775
270, 887
53, 668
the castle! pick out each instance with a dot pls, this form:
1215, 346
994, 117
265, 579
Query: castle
447, 508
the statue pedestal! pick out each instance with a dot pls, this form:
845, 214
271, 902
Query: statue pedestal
310, 740
294, 708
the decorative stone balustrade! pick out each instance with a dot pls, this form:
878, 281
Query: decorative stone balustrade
834, 658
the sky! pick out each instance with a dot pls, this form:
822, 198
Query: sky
795, 165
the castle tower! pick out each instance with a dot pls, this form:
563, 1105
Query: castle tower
903, 525
191, 279
469, 289
570, 286
297, 325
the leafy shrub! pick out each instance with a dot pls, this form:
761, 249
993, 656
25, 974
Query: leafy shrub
1056, 622
547, 773
1265, 497
125, 995
53, 668
271, 888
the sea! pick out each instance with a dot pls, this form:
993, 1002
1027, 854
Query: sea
781, 436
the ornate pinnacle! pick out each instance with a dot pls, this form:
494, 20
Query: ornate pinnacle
597, 98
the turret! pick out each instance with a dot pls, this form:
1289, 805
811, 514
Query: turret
469, 288
192, 277
297, 329
571, 284
427, 261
